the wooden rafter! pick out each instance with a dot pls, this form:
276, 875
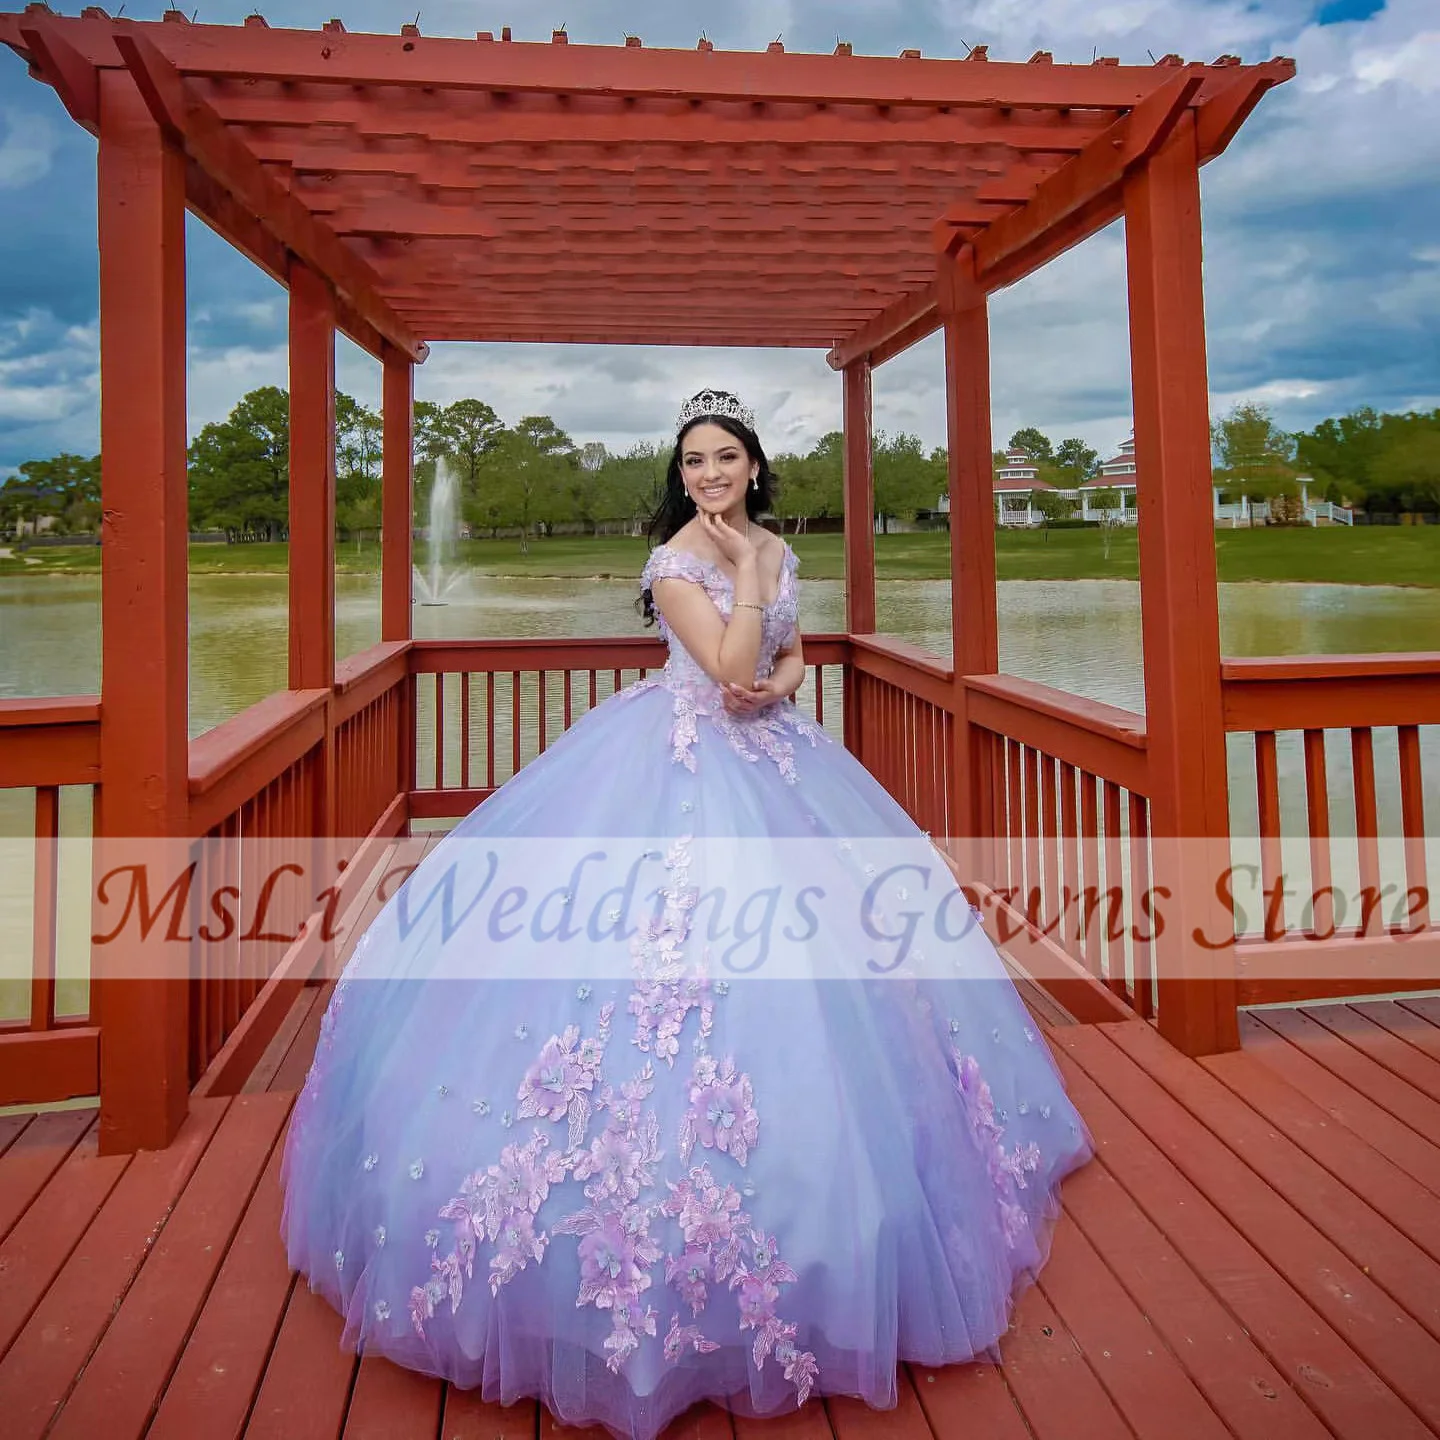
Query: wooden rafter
208, 141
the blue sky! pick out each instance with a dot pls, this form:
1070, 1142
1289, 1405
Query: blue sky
1322, 236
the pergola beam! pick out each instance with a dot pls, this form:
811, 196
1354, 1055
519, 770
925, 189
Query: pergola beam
209, 142
324, 58
904, 317
1220, 118
73, 78
1099, 168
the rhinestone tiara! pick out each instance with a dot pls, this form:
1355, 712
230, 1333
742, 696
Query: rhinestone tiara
715, 402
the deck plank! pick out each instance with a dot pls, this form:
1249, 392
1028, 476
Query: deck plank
1352, 1161
1129, 1356
468, 1417
261, 1078
1398, 1056
26, 1167
853, 1419
1404, 1024
806, 1422
1365, 1075
308, 1379
33, 1253
122, 1384
11, 1128
1057, 1391
219, 1372
1415, 1155
969, 1402
58, 1339
392, 1403
1382, 1259
1275, 1308
1241, 1384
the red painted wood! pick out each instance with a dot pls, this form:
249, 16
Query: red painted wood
1264, 1298
45, 919
974, 626
392, 1403
1372, 1039
1412, 825
143, 729
26, 1167
224, 1357
1057, 1391
308, 1378
1328, 1279
123, 1380
40, 1066
397, 497
852, 1419
1336, 692
963, 1401
1267, 785
1416, 1156
35, 1250
1144, 1379
39, 1370
468, 1417
1404, 1024
1179, 605
1317, 815
1241, 1385
859, 501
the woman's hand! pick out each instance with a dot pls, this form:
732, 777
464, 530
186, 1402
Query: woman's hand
740, 700
733, 544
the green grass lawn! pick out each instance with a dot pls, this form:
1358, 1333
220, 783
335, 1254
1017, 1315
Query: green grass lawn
1365, 555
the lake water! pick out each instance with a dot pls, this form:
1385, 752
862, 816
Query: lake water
1078, 635
1081, 636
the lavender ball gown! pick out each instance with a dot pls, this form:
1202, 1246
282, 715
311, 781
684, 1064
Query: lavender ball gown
624, 1189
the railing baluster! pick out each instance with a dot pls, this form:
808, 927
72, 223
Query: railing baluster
1317, 811
1069, 914
1091, 914
1267, 786
1142, 923
46, 924
1051, 848
1033, 892
514, 722
489, 729
465, 730
1114, 897
540, 712
1412, 824
1362, 750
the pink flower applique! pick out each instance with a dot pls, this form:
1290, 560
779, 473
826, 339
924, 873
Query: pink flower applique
722, 1114
1008, 1169
680, 1338
557, 1085
688, 1273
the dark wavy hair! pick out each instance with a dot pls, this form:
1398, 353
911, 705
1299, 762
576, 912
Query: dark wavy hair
676, 508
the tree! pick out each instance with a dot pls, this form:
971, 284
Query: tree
1034, 442
1257, 459
906, 478
66, 487
1107, 502
464, 432
240, 468
1409, 470
1052, 505
359, 447
1076, 461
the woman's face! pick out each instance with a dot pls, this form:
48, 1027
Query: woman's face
716, 468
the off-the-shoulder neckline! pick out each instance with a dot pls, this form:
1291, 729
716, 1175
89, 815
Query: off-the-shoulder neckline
713, 565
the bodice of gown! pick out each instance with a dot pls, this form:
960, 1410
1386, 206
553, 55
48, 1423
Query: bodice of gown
777, 621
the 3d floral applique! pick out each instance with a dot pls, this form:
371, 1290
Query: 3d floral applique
1008, 1169
619, 1248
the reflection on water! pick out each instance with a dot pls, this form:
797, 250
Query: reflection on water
1082, 636
1078, 635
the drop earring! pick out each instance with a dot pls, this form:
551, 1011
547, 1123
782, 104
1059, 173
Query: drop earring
755, 481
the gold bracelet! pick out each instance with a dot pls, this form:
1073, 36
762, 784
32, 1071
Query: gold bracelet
748, 605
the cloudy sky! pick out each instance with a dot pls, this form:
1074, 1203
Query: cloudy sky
1322, 235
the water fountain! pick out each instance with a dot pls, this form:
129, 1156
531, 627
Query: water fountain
432, 587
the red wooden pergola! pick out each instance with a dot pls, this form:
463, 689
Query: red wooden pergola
408, 189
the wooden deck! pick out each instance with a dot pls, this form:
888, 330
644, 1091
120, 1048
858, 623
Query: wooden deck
1255, 1253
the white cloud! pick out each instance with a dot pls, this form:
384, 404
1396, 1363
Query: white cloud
27, 146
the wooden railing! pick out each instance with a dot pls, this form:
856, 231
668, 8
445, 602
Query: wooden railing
1070, 824
49, 763
423, 731
485, 708
1336, 822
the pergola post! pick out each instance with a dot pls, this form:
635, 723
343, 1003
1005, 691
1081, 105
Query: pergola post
859, 535
973, 618
144, 746
1180, 619
312, 506
398, 497
859, 502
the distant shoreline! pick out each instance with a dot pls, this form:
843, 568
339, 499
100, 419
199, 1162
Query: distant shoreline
1405, 557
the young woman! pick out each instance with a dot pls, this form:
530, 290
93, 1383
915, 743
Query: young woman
783, 1129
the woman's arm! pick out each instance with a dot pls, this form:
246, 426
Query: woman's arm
727, 653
